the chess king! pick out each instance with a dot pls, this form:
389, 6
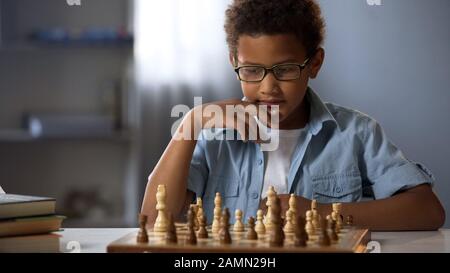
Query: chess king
326, 152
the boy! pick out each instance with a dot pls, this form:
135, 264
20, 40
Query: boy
326, 152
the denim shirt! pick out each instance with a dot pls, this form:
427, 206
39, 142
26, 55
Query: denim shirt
343, 154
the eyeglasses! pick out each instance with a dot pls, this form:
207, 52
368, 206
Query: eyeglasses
282, 72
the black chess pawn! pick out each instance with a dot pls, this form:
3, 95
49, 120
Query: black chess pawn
194, 211
171, 234
334, 236
202, 232
276, 234
324, 238
224, 232
251, 233
142, 236
191, 238
300, 234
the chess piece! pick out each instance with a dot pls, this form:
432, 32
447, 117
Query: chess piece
300, 235
324, 238
199, 202
276, 234
142, 236
195, 210
224, 233
315, 215
288, 227
293, 209
334, 236
315, 219
191, 238
251, 233
271, 195
238, 225
314, 204
202, 232
335, 217
349, 221
161, 221
200, 212
309, 226
217, 214
260, 228
171, 234
337, 208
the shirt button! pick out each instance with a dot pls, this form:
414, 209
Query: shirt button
260, 161
338, 189
255, 195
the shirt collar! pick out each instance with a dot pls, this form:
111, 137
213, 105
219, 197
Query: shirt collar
319, 113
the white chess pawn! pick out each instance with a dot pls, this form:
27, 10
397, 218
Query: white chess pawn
200, 214
161, 222
309, 226
337, 208
259, 227
293, 209
199, 207
288, 227
271, 195
238, 225
199, 202
315, 219
217, 214
335, 217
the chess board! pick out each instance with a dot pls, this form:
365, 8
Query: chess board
351, 240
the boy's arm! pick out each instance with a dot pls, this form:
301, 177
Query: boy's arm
417, 208
173, 167
172, 170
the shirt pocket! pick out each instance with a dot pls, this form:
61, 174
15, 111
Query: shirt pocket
345, 187
227, 186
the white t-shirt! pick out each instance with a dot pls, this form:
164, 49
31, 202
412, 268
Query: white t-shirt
278, 161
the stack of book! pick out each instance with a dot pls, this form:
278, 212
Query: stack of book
27, 223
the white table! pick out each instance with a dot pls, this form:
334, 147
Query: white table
95, 240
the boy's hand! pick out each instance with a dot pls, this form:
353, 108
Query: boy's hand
241, 118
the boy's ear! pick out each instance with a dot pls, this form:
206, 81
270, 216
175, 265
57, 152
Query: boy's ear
231, 57
316, 63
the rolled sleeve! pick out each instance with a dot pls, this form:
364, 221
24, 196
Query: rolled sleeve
387, 169
198, 171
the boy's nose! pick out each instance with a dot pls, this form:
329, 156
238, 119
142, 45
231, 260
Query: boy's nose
269, 84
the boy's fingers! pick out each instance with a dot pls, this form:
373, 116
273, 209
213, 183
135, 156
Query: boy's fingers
250, 121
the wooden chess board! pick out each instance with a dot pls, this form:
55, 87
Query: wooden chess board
351, 240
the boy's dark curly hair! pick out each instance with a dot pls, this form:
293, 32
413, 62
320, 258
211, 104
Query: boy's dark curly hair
255, 17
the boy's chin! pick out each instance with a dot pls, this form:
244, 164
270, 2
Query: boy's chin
276, 124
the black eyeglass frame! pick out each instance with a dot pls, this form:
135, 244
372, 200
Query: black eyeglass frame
270, 69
